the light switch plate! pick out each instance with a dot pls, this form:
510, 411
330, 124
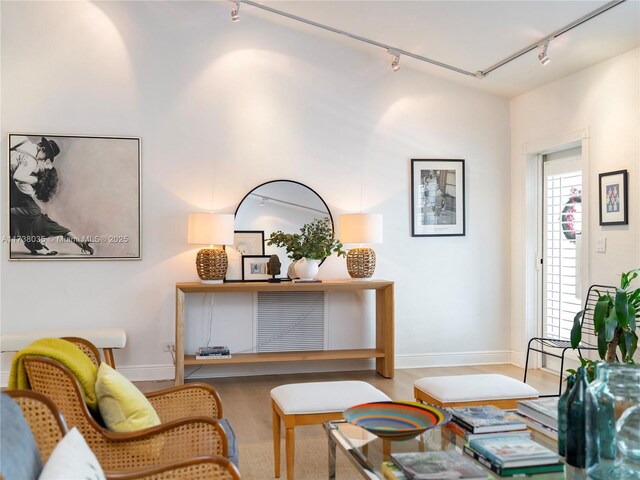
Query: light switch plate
601, 245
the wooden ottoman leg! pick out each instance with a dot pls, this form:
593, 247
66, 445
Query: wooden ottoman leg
290, 447
276, 442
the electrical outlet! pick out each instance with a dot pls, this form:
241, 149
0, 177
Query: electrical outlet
168, 346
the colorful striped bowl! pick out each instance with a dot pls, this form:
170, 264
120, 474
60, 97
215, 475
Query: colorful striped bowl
396, 420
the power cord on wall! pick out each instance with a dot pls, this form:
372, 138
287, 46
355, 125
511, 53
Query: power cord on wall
253, 348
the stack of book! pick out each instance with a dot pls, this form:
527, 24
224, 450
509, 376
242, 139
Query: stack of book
216, 352
432, 466
509, 455
484, 421
541, 415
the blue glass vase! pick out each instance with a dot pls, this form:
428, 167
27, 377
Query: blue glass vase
578, 422
562, 417
616, 392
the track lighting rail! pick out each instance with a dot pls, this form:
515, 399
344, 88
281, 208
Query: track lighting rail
556, 34
397, 52
357, 37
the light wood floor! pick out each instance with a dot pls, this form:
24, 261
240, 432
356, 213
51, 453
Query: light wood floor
247, 404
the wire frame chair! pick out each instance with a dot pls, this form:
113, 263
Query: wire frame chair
170, 442
547, 345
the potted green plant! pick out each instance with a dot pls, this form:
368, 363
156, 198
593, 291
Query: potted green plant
614, 322
314, 243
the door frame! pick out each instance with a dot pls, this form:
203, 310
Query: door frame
533, 153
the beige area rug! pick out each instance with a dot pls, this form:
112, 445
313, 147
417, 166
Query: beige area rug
256, 461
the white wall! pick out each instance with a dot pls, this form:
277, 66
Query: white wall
602, 104
236, 105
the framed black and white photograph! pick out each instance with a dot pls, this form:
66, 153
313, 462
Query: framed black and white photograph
614, 198
437, 198
74, 197
254, 268
245, 242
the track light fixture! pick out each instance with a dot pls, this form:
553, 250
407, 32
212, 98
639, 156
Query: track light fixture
395, 64
235, 11
542, 56
479, 74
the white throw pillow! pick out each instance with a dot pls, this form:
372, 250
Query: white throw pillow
72, 459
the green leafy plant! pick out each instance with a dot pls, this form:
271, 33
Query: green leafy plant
589, 365
614, 322
315, 241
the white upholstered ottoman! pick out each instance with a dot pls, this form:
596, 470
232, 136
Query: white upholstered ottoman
313, 403
467, 390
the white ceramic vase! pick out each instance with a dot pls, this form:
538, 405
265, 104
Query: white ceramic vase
307, 269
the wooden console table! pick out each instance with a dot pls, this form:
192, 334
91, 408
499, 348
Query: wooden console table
383, 352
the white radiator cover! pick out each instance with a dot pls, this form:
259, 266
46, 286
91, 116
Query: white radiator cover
290, 321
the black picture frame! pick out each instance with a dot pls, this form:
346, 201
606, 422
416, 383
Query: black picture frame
95, 211
249, 276
234, 253
438, 198
613, 189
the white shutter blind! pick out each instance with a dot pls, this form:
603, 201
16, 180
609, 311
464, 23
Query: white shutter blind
563, 220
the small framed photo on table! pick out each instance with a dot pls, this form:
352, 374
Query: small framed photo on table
437, 198
246, 242
254, 268
614, 198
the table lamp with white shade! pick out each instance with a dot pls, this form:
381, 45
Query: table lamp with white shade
361, 228
211, 229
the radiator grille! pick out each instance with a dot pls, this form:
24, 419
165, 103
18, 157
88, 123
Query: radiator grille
290, 321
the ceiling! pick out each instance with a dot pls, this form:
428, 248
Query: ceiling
473, 35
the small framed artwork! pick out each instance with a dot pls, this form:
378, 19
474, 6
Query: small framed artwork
254, 268
246, 242
614, 198
74, 197
437, 198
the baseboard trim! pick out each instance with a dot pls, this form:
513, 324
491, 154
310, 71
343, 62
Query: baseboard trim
452, 359
517, 358
139, 373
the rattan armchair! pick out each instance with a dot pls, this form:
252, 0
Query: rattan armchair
209, 468
172, 441
191, 400
44, 418
48, 427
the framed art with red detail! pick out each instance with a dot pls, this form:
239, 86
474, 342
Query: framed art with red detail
73, 197
614, 198
571, 213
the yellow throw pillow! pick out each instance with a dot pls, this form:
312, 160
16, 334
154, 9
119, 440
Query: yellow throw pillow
123, 407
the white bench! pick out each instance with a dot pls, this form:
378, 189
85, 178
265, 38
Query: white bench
313, 403
468, 390
105, 338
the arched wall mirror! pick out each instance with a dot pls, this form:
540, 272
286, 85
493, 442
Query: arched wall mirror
277, 205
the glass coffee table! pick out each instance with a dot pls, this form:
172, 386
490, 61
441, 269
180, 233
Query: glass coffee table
367, 452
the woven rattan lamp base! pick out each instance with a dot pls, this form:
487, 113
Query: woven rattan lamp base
361, 262
212, 265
